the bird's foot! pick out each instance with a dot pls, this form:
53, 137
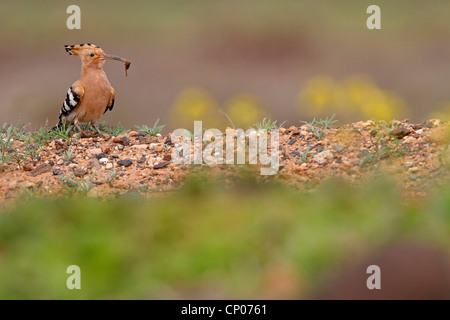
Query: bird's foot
87, 134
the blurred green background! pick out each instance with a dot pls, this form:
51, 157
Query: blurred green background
286, 59
251, 241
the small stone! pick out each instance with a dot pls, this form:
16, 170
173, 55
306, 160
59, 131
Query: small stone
400, 132
369, 123
318, 148
96, 164
140, 146
57, 172
106, 149
70, 183
27, 167
122, 139
413, 169
101, 155
133, 134
43, 168
323, 157
161, 165
168, 157
103, 160
109, 165
408, 164
338, 147
414, 177
95, 151
125, 163
79, 172
292, 141
59, 145
12, 185
120, 148
141, 160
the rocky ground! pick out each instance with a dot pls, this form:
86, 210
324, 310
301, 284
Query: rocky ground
416, 155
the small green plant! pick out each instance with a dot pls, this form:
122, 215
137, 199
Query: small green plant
82, 184
42, 136
109, 178
62, 131
69, 154
391, 148
114, 131
29, 193
303, 156
327, 122
318, 127
6, 139
151, 131
267, 124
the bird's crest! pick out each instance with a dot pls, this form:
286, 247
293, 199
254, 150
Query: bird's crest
82, 49
90, 54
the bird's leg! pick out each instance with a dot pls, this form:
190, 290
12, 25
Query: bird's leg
78, 126
98, 130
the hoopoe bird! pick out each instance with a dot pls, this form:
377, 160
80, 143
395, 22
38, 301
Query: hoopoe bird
92, 95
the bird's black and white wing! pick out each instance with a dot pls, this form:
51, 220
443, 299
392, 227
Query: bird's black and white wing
73, 98
110, 105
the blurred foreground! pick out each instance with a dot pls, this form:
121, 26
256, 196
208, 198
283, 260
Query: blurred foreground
247, 240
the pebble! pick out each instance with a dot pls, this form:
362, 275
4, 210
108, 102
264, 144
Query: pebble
122, 139
96, 164
408, 164
12, 185
141, 160
414, 177
57, 172
79, 172
292, 141
413, 169
70, 183
101, 155
125, 163
95, 151
323, 157
103, 160
338, 147
161, 165
140, 146
43, 168
369, 123
109, 165
400, 132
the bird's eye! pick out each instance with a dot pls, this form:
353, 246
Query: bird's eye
91, 54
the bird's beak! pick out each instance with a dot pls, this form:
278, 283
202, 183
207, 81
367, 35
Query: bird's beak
111, 57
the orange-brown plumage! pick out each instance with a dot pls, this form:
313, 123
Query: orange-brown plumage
92, 95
